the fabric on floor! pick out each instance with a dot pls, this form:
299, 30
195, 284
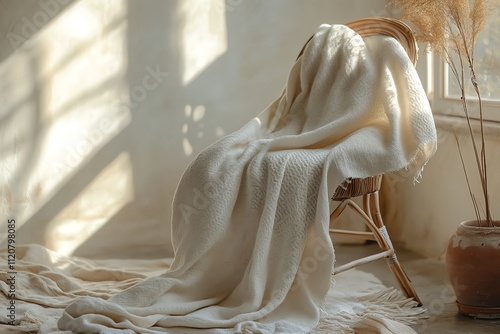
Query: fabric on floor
250, 215
48, 282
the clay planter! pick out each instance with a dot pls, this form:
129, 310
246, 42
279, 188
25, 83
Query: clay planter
473, 265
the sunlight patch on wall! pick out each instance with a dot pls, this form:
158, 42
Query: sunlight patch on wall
204, 35
192, 127
110, 191
89, 102
63, 97
87, 42
18, 123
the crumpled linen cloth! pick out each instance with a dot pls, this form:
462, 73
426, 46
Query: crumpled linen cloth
250, 215
47, 282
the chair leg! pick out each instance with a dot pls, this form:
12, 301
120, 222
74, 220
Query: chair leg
403, 280
370, 214
393, 263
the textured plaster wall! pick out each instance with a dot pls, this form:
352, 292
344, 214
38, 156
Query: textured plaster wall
105, 102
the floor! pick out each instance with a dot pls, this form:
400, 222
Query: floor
430, 281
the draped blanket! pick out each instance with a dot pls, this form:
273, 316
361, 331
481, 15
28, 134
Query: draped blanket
250, 215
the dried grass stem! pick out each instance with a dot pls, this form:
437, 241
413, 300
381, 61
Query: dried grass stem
451, 27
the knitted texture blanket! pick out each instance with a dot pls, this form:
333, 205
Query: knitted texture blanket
251, 212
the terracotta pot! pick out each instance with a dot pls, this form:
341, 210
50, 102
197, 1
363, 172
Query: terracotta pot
473, 265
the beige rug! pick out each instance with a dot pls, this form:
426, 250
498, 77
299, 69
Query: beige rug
46, 282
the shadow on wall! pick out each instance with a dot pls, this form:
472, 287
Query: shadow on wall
22, 123
26, 19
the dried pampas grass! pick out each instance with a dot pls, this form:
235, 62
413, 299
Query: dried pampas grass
451, 27
447, 25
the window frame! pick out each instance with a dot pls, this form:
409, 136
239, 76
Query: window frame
445, 104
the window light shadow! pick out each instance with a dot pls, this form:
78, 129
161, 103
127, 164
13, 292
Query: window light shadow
204, 35
63, 115
25, 21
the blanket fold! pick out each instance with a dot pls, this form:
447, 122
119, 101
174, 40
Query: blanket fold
250, 215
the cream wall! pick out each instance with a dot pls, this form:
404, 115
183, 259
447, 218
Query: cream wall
105, 102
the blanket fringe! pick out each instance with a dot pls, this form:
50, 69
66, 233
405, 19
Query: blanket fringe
389, 303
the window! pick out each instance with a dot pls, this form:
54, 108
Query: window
442, 86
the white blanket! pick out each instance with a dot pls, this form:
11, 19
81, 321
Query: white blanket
250, 221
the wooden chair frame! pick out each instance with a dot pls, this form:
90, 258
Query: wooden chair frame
371, 216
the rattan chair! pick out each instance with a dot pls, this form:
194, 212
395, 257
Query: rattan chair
368, 188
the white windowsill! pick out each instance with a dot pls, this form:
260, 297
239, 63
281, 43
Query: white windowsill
459, 125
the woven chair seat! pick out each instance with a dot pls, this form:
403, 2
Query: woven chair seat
354, 187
